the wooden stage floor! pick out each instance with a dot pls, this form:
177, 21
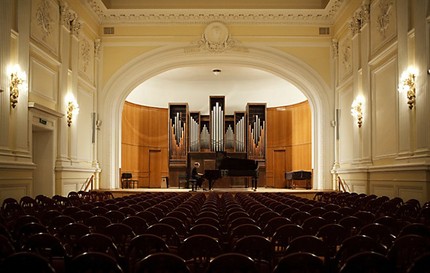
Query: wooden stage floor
299, 192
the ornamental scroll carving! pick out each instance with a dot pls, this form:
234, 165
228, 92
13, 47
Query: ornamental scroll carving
216, 39
44, 19
85, 54
383, 21
335, 48
360, 18
44, 23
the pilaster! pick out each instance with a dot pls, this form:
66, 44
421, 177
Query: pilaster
5, 37
404, 113
422, 57
20, 113
63, 137
73, 78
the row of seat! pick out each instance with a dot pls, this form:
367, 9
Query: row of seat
279, 224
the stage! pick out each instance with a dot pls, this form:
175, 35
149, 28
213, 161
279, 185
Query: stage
309, 194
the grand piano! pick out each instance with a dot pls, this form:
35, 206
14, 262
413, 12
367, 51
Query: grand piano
230, 166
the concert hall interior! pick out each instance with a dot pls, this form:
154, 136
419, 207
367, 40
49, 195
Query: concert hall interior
321, 102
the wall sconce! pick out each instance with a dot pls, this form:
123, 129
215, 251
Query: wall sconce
17, 78
357, 110
72, 109
407, 84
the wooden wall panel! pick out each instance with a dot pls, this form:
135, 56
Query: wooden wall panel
144, 129
288, 132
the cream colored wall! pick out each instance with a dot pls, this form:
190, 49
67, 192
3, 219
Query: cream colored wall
382, 157
59, 60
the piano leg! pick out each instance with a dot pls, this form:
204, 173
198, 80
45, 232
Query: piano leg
254, 183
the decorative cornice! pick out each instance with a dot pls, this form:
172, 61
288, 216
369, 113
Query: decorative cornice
254, 16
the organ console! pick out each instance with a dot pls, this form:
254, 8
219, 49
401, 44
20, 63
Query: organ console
293, 176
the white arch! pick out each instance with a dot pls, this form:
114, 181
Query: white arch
150, 64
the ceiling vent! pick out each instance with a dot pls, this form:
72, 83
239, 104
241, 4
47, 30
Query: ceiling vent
109, 30
324, 30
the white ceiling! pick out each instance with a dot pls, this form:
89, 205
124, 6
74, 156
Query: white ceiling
194, 85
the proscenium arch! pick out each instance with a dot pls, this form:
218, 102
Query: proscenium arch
155, 62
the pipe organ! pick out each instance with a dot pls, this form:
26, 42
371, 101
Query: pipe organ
178, 132
243, 132
240, 129
194, 132
256, 130
229, 133
217, 123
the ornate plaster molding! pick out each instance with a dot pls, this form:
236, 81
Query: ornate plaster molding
360, 18
383, 21
75, 24
85, 54
346, 57
163, 16
216, 39
335, 48
65, 14
97, 47
44, 19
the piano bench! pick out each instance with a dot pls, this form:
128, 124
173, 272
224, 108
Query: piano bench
193, 184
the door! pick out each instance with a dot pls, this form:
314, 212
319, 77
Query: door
279, 168
155, 168
43, 158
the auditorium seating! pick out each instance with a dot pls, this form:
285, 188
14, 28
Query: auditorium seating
206, 230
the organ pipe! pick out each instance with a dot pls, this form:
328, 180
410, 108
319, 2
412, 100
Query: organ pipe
217, 127
194, 134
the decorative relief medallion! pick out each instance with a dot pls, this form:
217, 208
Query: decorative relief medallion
383, 21
44, 19
216, 39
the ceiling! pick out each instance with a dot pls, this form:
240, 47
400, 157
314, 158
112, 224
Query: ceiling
219, 4
194, 85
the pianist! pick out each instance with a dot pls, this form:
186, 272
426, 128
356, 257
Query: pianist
198, 177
